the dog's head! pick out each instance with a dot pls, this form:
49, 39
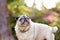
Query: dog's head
23, 20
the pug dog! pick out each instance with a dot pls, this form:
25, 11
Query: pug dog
28, 30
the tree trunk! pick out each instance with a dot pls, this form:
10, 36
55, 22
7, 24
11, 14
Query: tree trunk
5, 30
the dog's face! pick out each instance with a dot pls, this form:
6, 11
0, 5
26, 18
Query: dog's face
23, 20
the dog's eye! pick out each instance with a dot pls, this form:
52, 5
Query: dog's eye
20, 19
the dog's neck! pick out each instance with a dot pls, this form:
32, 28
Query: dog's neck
24, 29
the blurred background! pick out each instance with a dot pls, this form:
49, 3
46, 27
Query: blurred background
41, 11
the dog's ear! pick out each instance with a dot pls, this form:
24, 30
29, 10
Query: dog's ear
16, 18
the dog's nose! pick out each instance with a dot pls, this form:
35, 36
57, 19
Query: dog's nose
25, 20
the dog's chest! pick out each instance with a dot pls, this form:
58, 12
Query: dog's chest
29, 35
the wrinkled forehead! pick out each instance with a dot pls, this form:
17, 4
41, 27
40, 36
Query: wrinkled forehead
23, 16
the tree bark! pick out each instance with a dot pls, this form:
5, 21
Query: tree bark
5, 30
